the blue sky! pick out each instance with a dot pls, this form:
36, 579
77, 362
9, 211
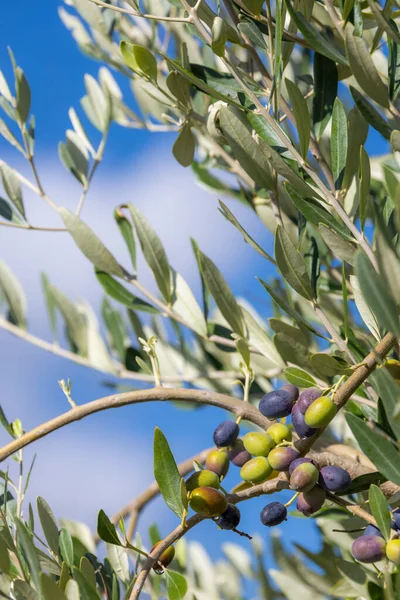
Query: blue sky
104, 461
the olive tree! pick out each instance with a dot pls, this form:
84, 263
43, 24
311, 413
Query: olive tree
273, 104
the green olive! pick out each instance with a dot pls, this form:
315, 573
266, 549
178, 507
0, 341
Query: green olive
280, 432
320, 412
208, 501
256, 470
201, 479
258, 443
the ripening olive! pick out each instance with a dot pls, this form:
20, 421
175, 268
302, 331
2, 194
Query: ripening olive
258, 443
334, 479
165, 559
203, 478
320, 412
306, 398
310, 502
229, 519
256, 470
393, 366
368, 548
226, 433
218, 462
299, 424
273, 514
279, 432
281, 458
238, 454
208, 501
276, 404
304, 477
301, 461
393, 551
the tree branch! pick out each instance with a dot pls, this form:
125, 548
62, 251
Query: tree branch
239, 408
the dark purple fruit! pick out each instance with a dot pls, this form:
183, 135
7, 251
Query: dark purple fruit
306, 398
208, 501
310, 502
230, 519
292, 389
238, 454
276, 404
396, 517
299, 424
368, 548
165, 559
304, 477
273, 514
226, 434
372, 530
301, 461
334, 479
281, 458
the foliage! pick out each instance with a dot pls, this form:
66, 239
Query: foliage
275, 105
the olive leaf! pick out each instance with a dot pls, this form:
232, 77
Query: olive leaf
12, 187
325, 91
13, 294
166, 473
301, 115
176, 585
339, 142
184, 146
291, 264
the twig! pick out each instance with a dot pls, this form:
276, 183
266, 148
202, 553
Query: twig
239, 408
126, 11
30, 227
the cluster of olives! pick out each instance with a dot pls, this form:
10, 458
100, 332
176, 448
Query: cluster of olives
371, 547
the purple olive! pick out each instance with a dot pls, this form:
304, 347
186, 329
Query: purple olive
306, 398
238, 454
281, 458
304, 477
278, 403
292, 389
372, 530
229, 519
396, 517
301, 461
368, 548
226, 434
310, 502
273, 514
334, 479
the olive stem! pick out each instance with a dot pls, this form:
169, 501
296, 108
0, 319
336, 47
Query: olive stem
296, 495
389, 592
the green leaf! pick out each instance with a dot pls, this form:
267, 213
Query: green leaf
72, 590
30, 552
115, 328
389, 392
12, 187
126, 230
378, 449
5, 423
376, 294
74, 320
166, 473
117, 291
393, 66
66, 547
219, 36
370, 114
176, 585
253, 32
389, 266
258, 337
363, 68
380, 511
327, 365
299, 377
49, 588
247, 238
341, 247
222, 82
365, 183
106, 530
23, 94
179, 87
291, 264
316, 213
363, 482
139, 59
184, 146
357, 135
90, 245
48, 523
301, 115
23, 591
153, 252
317, 41
338, 142
8, 212
185, 304
87, 591
245, 148
14, 294
222, 294
325, 91
269, 135
365, 312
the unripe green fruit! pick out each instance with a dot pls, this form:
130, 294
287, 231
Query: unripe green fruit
208, 501
202, 479
218, 462
165, 559
304, 477
320, 412
258, 443
393, 366
280, 432
256, 470
393, 551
